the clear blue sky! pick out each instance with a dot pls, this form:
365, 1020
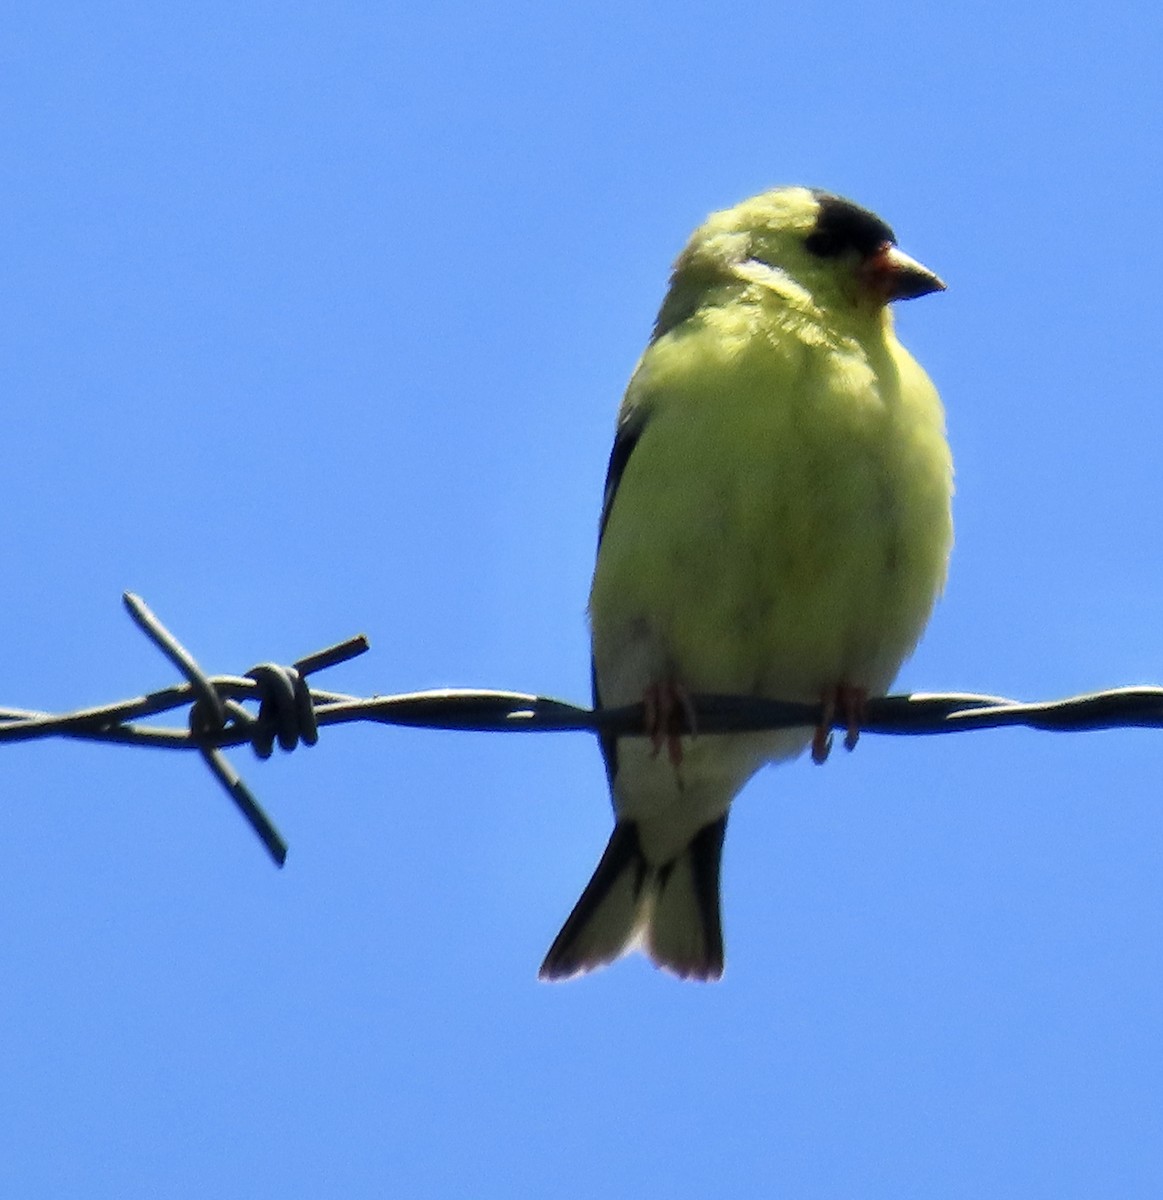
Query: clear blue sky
314, 320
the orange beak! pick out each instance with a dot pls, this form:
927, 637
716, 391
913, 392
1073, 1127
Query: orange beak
891, 275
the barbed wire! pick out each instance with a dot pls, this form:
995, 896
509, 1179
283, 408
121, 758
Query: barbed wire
290, 713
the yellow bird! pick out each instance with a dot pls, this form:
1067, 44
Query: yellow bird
776, 523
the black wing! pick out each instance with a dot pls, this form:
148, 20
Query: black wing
627, 437
625, 440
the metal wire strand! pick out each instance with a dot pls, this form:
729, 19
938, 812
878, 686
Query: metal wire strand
290, 712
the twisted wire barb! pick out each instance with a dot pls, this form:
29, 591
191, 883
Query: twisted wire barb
290, 713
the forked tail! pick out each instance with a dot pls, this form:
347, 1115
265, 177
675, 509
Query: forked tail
671, 910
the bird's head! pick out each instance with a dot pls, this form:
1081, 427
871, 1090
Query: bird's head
833, 252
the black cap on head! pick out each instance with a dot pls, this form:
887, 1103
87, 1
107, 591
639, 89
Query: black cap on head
842, 225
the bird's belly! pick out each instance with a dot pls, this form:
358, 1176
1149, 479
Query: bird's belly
771, 586
796, 603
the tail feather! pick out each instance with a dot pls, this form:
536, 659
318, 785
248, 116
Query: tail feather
685, 932
674, 908
606, 918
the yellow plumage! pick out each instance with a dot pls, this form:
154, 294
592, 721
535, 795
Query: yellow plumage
777, 523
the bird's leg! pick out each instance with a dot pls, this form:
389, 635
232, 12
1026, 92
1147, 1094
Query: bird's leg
663, 703
822, 738
850, 702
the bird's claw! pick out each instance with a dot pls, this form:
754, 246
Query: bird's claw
850, 703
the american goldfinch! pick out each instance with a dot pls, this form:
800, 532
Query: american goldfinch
776, 523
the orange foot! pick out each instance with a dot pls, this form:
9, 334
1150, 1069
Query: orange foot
849, 703
664, 702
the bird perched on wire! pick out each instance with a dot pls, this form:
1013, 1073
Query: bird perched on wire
776, 523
